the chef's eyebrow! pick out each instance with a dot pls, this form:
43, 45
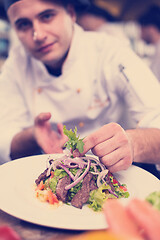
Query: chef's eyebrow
47, 11
39, 14
20, 20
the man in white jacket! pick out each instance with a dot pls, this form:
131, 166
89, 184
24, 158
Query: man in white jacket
59, 74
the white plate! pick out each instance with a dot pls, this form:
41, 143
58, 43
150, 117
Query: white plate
17, 195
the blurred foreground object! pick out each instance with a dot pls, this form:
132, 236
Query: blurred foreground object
100, 235
136, 221
7, 233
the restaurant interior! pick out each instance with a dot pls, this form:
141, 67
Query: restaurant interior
14, 228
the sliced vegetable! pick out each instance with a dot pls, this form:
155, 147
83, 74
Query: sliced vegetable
78, 180
98, 197
52, 197
123, 188
40, 186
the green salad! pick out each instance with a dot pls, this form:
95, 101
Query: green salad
154, 199
78, 181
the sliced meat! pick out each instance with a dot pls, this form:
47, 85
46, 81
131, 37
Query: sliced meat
41, 177
60, 189
82, 195
92, 185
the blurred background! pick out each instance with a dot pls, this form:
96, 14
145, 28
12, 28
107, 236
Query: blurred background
125, 11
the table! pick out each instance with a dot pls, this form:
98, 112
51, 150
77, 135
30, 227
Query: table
29, 231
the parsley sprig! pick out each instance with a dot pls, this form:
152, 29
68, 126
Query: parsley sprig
74, 142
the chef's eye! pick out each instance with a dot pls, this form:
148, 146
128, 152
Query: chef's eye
23, 25
48, 16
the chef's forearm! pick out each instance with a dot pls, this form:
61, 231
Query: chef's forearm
24, 144
146, 145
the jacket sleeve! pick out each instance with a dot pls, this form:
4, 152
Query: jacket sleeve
13, 114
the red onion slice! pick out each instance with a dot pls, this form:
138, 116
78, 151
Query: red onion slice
100, 176
67, 171
80, 178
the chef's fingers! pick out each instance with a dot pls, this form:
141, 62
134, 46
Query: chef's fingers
119, 221
104, 133
42, 117
146, 217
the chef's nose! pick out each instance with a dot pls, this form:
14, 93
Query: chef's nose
38, 33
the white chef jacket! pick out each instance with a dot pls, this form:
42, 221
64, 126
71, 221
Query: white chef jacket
98, 71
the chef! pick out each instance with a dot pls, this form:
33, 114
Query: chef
57, 74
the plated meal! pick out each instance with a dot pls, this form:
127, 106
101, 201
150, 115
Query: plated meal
19, 177
77, 181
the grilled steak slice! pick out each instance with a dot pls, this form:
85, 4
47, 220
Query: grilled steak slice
92, 185
60, 189
41, 177
82, 195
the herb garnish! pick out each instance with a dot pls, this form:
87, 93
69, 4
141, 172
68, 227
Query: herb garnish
74, 142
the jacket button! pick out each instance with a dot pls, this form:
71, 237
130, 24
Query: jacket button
39, 90
81, 124
78, 90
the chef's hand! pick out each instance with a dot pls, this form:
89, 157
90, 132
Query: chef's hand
112, 145
49, 141
138, 220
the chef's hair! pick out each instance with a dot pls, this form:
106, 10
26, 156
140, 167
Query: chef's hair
79, 5
151, 17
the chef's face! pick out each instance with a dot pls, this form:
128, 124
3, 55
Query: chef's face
45, 29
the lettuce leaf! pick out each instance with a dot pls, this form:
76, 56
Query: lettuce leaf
98, 197
154, 199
